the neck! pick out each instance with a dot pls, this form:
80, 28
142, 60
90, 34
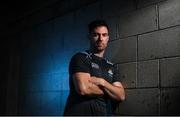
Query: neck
101, 54
98, 53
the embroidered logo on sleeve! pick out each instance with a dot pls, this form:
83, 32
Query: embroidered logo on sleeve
94, 65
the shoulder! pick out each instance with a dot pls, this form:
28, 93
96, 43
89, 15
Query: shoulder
81, 55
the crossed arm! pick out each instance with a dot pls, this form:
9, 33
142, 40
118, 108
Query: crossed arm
93, 86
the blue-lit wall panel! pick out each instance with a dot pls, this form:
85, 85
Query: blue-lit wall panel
43, 103
30, 103
46, 52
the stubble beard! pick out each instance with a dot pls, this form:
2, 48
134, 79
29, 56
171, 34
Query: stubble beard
99, 49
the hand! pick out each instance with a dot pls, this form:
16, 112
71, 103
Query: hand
98, 81
101, 82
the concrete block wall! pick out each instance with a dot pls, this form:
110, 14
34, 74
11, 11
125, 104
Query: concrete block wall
145, 47
144, 44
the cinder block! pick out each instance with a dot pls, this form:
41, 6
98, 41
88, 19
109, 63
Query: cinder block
36, 54
149, 46
64, 96
170, 101
63, 27
56, 45
29, 83
140, 102
169, 13
113, 28
65, 80
122, 50
79, 29
170, 42
63, 23
170, 72
50, 102
44, 38
164, 43
85, 15
36, 63
53, 83
144, 3
137, 22
37, 82
127, 73
45, 82
61, 61
42, 103
30, 104
116, 7
148, 74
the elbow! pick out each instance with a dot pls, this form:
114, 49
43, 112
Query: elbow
121, 97
83, 92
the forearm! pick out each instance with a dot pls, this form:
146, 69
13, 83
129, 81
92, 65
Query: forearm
84, 87
115, 92
93, 90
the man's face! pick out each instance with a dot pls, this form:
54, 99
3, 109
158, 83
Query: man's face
99, 38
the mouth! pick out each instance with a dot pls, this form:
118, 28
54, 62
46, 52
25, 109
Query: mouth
99, 44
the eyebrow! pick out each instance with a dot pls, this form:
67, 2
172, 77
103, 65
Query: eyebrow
98, 33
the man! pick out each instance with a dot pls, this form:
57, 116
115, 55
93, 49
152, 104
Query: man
92, 85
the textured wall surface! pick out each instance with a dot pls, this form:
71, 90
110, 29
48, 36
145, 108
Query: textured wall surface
146, 48
145, 45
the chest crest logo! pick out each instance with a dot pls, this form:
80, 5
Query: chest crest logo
110, 72
94, 65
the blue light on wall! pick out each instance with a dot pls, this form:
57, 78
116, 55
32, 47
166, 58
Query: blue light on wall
47, 50
45, 93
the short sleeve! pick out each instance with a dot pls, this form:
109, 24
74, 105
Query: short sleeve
79, 63
116, 74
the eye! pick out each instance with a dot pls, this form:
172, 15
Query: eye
95, 35
105, 34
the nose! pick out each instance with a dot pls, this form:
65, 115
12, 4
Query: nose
100, 37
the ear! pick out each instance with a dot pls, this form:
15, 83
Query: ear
108, 38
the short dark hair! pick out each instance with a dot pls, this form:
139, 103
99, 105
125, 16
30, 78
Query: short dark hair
96, 23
